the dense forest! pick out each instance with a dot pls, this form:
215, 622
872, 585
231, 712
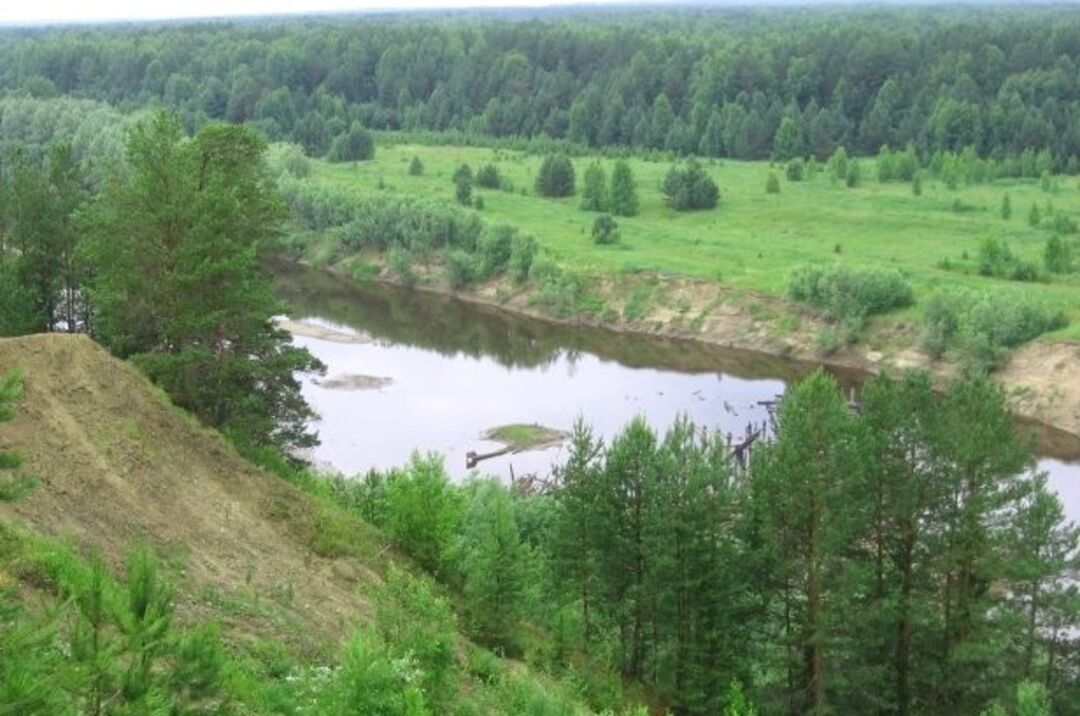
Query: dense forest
738, 83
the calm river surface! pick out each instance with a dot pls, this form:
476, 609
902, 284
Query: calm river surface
412, 371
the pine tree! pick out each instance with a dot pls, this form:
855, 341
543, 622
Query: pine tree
556, 176
1006, 207
416, 167
807, 499
175, 243
576, 536
623, 197
594, 192
984, 459
493, 564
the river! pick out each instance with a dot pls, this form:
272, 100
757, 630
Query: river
409, 371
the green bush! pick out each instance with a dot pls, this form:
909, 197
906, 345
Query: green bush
556, 176
399, 260
1058, 256
355, 145
997, 260
795, 169
689, 188
488, 177
772, 184
493, 254
416, 167
460, 269
983, 326
522, 254
843, 292
605, 230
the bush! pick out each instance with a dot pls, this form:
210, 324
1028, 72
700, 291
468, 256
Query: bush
560, 292
844, 292
853, 178
354, 146
690, 188
1057, 256
488, 177
379, 222
605, 230
416, 167
837, 166
794, 170
594, 193
556, 176
772, 184
522, 253
399, 260
460, 269
290, 158
423, 511
983, 326
997, 260
494, 250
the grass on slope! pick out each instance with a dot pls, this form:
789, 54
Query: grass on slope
753, 240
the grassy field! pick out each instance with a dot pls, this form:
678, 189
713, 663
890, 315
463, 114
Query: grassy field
753, 240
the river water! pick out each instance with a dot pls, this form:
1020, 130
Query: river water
414, 371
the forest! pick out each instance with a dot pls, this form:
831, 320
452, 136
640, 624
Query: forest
896, 554
739, 83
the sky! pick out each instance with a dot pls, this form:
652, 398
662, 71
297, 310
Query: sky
21, 11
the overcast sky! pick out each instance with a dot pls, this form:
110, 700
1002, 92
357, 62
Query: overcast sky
95, 10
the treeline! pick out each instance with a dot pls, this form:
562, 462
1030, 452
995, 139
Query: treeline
897, 560
735, 83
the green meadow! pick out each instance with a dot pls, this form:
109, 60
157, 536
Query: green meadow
753, 240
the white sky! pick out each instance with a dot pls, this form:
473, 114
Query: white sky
22, 11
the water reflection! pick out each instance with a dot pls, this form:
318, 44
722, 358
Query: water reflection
458, 369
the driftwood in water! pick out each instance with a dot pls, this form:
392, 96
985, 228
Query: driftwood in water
473, 458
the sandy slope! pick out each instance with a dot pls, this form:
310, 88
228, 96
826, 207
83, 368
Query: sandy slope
118, 463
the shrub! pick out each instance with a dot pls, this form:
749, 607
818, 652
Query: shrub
853, 178
605, 230
689, 188
1057, 256
423, 511
1006, 207
494, 250
772, 184
355, 145
997, 260
463, 191
488, 177
594, 193
837, 166
794, 170
522, 253
460, 269
290, 158
416, 167
560, 292
844, 292
399, 260
556, 176
983, 326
